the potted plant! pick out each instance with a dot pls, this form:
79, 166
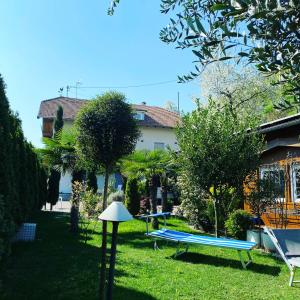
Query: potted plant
261, 193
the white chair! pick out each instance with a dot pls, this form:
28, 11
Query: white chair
287, 243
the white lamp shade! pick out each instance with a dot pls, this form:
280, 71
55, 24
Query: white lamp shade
116, 212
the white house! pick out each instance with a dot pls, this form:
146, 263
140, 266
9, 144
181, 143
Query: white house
157, 127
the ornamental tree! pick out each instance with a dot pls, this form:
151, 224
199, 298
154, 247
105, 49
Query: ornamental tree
265, 33
106, 131
218, 151
150, 165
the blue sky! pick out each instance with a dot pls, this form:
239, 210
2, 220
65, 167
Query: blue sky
47, 44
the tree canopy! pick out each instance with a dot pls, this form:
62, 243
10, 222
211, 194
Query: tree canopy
106, 131
245, 89
265, 33
218, 151
150, 165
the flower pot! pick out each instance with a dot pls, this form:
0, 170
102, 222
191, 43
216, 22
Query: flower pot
253, 236
268, 244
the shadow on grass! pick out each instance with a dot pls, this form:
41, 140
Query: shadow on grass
197, 258
122, 293
56, 264
135, 239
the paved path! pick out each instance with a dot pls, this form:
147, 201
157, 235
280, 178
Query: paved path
62, 206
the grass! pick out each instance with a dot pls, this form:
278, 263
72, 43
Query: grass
61, 266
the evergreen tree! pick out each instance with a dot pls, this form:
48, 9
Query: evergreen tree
91, 181
19, 175
43, 187
132, 196
59, 121
5, 171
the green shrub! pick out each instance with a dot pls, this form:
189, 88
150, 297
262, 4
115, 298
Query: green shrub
194, 204
238, 223
90, 206
132, 196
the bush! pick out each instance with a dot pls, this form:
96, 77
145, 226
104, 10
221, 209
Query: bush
132, 196
145, 205
194, 204
90, 204
238, 223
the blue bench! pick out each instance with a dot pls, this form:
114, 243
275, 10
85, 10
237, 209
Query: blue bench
188, 238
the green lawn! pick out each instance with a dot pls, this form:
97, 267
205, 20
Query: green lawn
60, 266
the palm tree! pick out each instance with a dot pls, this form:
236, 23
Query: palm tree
59, 151
150, 165
59, 154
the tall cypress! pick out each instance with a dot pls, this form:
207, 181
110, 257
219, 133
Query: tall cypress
5, 171
59, 121
19, 175
54, 178
91, 181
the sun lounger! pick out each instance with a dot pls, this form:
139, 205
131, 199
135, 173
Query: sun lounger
287, 243
183, 238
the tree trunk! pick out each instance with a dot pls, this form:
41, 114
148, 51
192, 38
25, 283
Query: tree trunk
216, 204
51, 206
164, 197
74, 219
153, 200
104, 240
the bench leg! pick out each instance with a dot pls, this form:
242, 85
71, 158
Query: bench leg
292, 277
155, 245
292, 281
245, 264
178, 252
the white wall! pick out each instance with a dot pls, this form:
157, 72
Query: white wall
151, 135
65, 184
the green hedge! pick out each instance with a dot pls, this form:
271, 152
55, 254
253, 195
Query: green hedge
23, 181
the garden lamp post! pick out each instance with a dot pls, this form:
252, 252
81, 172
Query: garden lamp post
116, 212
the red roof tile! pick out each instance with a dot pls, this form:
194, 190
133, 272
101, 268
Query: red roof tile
154, 116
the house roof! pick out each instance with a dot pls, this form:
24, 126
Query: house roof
154, 116
280, 124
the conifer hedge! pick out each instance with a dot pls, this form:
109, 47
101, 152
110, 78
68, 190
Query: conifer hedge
23, 180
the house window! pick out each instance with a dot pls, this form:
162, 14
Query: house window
139, 116
159, 146
276, 174
296, 182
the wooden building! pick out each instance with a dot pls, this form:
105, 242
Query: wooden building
281, 161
